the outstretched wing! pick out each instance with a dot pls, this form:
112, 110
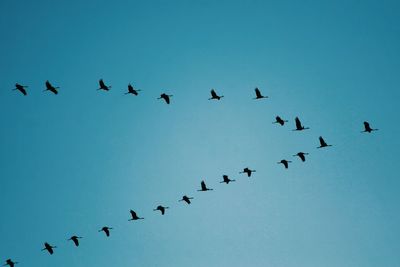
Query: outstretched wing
298, 123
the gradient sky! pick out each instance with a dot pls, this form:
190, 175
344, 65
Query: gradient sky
72, 163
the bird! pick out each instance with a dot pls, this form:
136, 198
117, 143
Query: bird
165, 97
10, 263
367, 128
247, 171
106, 230
134, 216
161, 209
49, 248
258, 94
299, 126
215, 96
280, 120
186, 199
204, 187
322, 143
21, 88
51, 88
132, 90
285, 163
226, 179
301, 155
75, 239
103, 86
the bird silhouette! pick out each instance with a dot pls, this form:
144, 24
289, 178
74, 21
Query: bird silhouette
367, 128
301, 155
49, 248
132, 90
134, 216
106, 230
186, 199
51, 88
10, 263
165, 97
161, 209
21, 88
285, 163
280, 120
103, 86
258, 94
75, 239
215, 96
322, 143
226, 179
204, 187
247, 171
299, 126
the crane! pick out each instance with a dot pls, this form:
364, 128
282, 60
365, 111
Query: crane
106, 230
103, 86
322, 143
247, 171
132, 90
49, 248
161, 209
134, 216
258, 94
367, 128
186, 199
214, 95
75, 239
165, 97
285, 163
21, 88
299, 126
51, 88
301, 155
204, 187
226, 179
280, 120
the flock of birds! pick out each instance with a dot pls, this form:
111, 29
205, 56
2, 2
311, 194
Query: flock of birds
203, 187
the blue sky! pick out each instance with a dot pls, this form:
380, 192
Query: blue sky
72, 163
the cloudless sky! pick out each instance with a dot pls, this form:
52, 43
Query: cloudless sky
75, 162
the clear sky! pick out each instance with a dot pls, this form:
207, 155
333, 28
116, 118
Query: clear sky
72, 163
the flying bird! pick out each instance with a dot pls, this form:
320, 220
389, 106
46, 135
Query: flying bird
322, 143
132, 90
299, 126
186, 199
49, 248
103, 86
204, 187
10, 263
165, 97
247, 171
215, 96
106, 230
134, 216
226, 179
258, 94
75, 239
280, 120
367, 128
301, 155
51, 88
21, 88
285, 163
161, 209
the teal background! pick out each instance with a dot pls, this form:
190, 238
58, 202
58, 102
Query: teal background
72, 163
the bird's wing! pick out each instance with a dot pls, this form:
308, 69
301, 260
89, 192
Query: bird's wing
298, 123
